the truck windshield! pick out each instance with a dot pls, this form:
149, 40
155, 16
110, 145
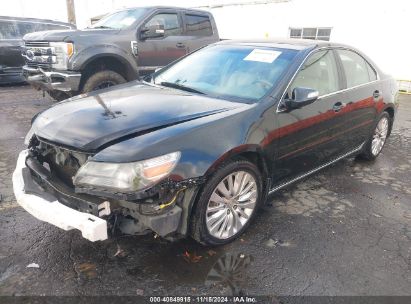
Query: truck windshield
121, 19
229, 71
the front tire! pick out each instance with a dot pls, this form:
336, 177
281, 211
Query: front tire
376, 142
102, 80
227, 203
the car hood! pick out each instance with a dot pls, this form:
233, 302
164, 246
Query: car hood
100, 119
66, 35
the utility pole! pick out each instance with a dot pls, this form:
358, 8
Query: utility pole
71, 12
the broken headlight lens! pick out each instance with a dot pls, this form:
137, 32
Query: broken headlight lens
126, 177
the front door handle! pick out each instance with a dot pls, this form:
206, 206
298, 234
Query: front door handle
338, 106
376, 94
180, 45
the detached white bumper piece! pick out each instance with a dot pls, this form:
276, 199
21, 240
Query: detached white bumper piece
92, 227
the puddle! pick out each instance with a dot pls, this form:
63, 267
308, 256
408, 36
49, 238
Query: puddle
86, 270
309, 198
394, 174
230, 271
182, 266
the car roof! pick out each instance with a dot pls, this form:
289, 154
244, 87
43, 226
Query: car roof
295, 44
153, 7
24, 19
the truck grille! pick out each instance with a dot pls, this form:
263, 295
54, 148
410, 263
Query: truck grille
10, 71
35, 44
38, 54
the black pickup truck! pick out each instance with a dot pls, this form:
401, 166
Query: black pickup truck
119, 48
12, 30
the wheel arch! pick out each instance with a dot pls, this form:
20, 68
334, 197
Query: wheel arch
107, 61
251, 153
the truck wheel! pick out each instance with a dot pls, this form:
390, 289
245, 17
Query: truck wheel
102, 80
227, 203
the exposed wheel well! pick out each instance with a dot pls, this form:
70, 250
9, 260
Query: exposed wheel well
106, 63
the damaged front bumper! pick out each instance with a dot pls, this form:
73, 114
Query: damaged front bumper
48, 209
66, 81
47, 199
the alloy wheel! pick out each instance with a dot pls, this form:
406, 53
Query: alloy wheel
380, 135
231, 204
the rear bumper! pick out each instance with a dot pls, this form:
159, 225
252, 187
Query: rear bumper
48, 209
65, 81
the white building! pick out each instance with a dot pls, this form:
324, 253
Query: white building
379, 28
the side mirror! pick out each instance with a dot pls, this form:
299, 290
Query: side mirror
301, 97
152, 31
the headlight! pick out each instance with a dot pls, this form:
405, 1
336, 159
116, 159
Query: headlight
63, 51
29, 135
126, 177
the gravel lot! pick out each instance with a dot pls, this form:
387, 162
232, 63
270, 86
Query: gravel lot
344, 231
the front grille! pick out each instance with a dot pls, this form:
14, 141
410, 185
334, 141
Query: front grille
35, 44
10, 71
38, 54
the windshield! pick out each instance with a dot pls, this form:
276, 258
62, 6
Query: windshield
236, 71
120, 20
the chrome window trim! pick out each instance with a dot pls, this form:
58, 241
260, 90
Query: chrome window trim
347, 89
332, 93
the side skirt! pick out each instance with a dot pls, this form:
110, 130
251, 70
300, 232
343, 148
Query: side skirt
285, 184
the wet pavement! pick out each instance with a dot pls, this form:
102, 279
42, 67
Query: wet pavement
343, 231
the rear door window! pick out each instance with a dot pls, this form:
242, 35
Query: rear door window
8, 30
357, 70
197, 25
319, 72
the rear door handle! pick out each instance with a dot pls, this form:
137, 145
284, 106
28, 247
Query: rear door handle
338, 106
376, 94
180, 45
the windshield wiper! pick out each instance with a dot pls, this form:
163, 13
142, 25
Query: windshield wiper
102, 27
180, 87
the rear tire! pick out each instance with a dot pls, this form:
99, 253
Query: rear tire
220, 217
377, 140
102, 80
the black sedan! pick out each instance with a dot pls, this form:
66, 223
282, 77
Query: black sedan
196, 148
